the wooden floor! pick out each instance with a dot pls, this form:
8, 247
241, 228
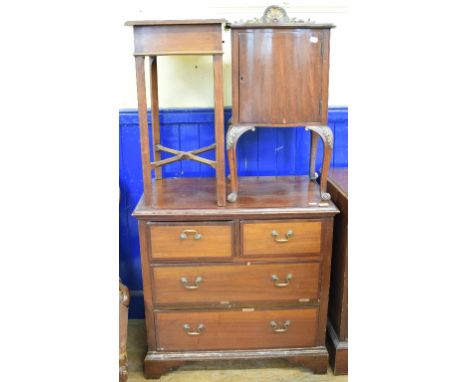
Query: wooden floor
220, 371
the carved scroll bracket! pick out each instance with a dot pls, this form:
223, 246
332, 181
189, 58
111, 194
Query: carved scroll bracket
234, 133
326, 134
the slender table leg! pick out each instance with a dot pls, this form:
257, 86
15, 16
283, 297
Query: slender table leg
233, 134
219, 129
155, 114
313, 155
326, 134
143, 121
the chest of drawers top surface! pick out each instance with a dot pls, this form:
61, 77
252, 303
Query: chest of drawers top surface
261, 198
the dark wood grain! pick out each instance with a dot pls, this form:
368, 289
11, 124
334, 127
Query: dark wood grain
280, 26
337, 330
231, 284
279, 76
147, 282
178, 39
175, 22
236, 329
143, 123
216, 240
219, 129
257, 238
155, 114
237, 283
235, 268
261, 197
188, 37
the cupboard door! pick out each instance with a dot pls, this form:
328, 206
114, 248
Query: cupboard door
280, 75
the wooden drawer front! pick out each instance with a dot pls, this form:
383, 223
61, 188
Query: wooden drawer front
189, 241
293, 237
236, 283
236, 329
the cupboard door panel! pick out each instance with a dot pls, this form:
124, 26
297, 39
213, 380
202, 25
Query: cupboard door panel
280, 76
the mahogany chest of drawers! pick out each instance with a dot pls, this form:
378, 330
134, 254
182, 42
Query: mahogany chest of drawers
249, 280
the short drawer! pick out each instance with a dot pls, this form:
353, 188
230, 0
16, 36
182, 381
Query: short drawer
236, 283
285, 237
236, 329
188, 240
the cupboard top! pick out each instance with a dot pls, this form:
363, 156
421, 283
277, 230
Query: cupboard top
280, 26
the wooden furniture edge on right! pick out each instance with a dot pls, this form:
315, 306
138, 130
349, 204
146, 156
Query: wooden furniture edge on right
337, 326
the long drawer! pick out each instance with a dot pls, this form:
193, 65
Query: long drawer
189, 240
237, 282
286, 237
211, 330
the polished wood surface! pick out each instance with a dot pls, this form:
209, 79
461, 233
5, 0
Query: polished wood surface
280, 25
153, 61
175, 39
162, 38
266, 196
222, 290
227, 284
259, 237
243, 329
143, 123
279, 76
339, 177
215, 240
175, 22
337, 330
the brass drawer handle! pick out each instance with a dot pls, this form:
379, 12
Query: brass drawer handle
285, 327
197, 283
185, 232
194, 333
279, 284
275, 234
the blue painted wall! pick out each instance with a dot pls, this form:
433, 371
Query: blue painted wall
263, 152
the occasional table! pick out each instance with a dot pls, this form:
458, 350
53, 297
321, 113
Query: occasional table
178, 37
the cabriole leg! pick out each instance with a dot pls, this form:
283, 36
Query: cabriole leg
313, 154
233, 134
326, 134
